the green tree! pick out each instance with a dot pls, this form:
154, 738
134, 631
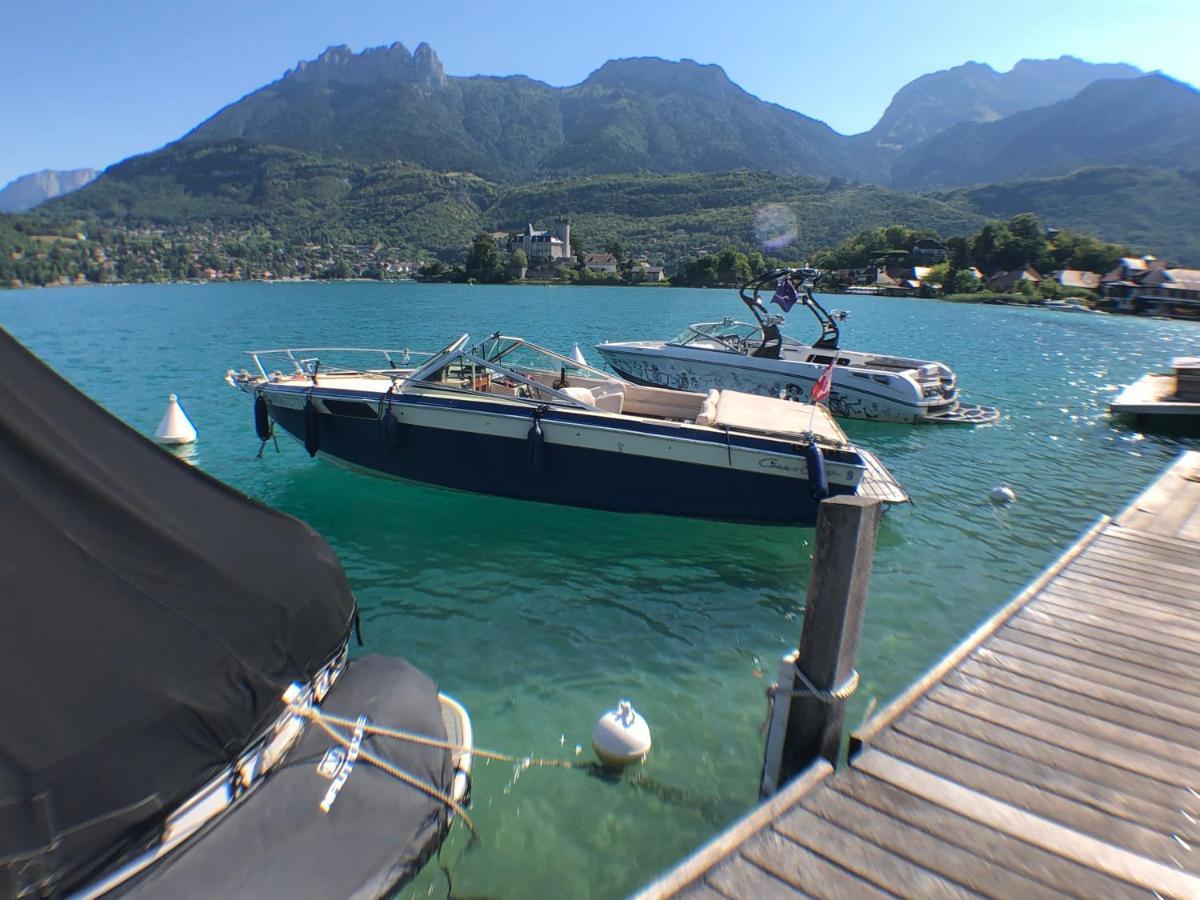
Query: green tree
484, 262
733, 267
517, 263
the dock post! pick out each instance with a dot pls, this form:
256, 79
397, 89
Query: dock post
804, 725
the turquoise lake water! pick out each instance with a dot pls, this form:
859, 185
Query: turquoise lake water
538, 618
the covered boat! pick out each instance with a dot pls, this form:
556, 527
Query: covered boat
509, 418
757, 358
152, 621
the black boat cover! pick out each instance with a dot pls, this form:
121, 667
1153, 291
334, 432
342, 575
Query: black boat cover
377, 834
150, 619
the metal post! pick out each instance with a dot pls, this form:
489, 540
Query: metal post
837, 598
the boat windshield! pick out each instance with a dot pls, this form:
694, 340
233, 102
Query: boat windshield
728, 334
512, 367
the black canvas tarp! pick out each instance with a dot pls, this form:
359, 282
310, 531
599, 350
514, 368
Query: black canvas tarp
150, 619
375, 837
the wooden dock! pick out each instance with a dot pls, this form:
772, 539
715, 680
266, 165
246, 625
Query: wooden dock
1055, 752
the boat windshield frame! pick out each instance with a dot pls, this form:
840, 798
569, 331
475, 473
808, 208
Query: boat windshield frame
730, 342
489, 359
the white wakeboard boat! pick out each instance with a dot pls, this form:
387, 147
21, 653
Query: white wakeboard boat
756, 358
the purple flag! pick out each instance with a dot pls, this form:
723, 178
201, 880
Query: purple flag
786, 295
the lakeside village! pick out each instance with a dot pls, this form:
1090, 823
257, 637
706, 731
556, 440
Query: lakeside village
1018, 262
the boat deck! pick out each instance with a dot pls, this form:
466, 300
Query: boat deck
1153, 395
1053, 753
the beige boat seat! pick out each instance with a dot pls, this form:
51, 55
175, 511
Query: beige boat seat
750, 412
606, 397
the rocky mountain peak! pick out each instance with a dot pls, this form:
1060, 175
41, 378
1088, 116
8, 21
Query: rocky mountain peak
375, 65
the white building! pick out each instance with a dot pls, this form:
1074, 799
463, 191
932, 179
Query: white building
543, 246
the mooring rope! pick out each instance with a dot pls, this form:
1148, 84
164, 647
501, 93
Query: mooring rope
395, 771
327, 721
844, 691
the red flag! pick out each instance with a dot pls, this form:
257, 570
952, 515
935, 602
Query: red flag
820, 390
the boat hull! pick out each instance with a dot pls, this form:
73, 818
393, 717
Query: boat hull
751, 376
595, 477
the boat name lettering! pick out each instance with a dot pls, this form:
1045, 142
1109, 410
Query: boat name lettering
772, 463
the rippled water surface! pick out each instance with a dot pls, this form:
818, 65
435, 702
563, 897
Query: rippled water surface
538, 617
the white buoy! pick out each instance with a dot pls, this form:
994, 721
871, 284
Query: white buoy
1002, 494
175, 427
621, 736
577, 355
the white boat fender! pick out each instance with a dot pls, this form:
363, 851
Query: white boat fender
312, 427
578, 356
537, 445
175, 427
621, 736
262, 419
818, 483
1002, 494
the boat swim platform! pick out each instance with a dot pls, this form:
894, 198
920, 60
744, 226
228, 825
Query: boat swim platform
1055, 752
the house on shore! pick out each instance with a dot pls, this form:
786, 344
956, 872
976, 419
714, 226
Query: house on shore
1075, 278
642, 271
600, 262
1010, 282
929, 252
1148, 286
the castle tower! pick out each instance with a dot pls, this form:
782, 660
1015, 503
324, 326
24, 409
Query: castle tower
564, 232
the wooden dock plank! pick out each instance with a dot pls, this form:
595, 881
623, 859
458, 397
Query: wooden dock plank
1063, 623
977, 874
1055, 752
1098, 854
1046, 773
1153, 676
1171, 801
1101, 721
865, 858
998, 848
807, 871
1032, 795
738, 878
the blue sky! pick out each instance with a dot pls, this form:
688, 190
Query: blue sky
88, 84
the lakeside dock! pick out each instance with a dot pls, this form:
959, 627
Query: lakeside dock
1053, 752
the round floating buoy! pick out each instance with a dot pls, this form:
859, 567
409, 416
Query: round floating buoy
175, 427
577, 355
392, 433
1002, 494
312, 428
818, 483
262, 419
621, 736
537, 447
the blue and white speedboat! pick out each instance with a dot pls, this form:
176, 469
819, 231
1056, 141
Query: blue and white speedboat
509, 418
757, 358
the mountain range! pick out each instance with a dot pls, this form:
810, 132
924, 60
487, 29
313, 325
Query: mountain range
361, 135
28, 191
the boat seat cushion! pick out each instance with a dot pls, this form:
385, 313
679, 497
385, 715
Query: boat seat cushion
610, 398
708, 409
750, 412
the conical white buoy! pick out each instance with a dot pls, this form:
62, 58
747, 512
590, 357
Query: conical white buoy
621, 736
175, 427
577, 355
1002, 494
